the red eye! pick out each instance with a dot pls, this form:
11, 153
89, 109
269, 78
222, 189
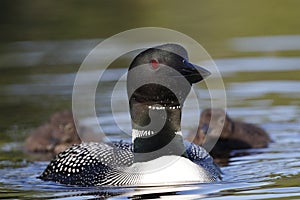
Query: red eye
154, 63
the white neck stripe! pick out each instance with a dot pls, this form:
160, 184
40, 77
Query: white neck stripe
146, 133
163, 107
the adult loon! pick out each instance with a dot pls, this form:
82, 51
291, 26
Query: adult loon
158, 82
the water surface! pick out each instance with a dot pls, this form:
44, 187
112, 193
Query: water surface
255, 45
271, 172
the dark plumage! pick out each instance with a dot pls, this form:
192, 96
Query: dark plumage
56, 135
234, 134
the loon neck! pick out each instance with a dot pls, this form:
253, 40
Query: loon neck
156, 131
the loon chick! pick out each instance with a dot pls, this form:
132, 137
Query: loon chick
54, 136
57, 135
158, 82
234, 134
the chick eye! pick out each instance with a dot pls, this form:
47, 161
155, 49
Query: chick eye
154, 63
221, 121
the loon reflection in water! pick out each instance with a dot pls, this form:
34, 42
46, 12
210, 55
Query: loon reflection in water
158, 82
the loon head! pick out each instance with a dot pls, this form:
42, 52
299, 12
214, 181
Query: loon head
158, 82
162, 75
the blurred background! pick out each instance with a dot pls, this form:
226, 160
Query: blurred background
43, 44
255, 44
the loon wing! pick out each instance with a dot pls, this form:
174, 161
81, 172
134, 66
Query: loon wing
200, 156
90, 164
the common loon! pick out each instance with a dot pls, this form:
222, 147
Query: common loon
158, 82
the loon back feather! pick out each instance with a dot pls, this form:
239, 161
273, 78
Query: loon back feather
90, 164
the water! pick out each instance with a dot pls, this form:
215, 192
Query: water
272, 172
39, 61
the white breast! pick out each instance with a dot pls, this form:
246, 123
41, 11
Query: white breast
170, 170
